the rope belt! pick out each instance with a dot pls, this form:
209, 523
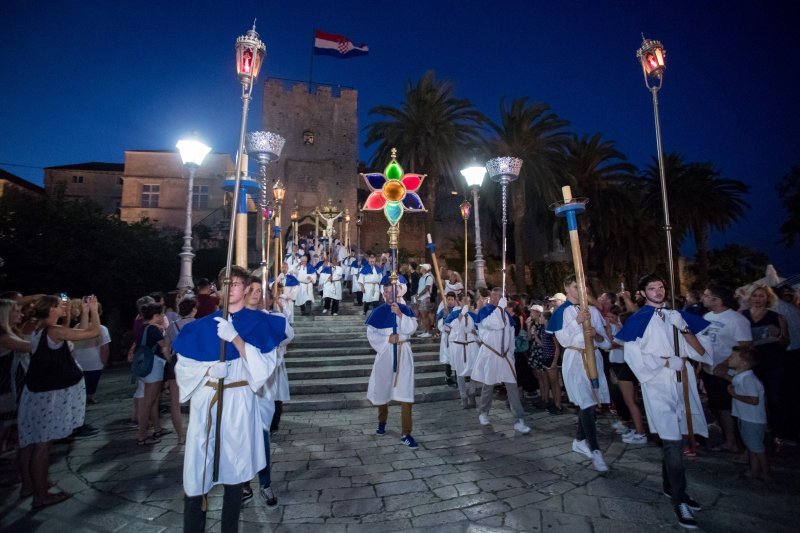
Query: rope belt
464, 344
214, 399
491, 348
397, 372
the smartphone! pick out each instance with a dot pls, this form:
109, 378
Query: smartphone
64, 297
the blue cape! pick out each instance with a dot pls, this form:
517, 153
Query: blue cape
455, 314
485, 311
556, 321
382, 317
366, 269
310, 269
198, 339
326, 270
319, 264
290, 281
636, 324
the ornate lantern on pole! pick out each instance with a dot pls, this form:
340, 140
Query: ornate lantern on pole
474, 175
347, 229
295, 216
192, 154
359, 222
504, 170
278, 193
465, 209
266, 147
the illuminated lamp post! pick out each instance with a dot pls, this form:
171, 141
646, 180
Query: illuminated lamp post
465, 209
474, 176
295, 216
504, 170
192, 154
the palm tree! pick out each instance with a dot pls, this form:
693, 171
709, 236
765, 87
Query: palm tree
601, 173
532, 132
432, 131
699, 201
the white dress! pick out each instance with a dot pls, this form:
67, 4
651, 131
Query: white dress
50, 415
570, 336
661, 391
332, 283
463, 344
495, 331
384, 386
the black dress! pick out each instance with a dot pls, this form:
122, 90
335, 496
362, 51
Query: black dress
769, 369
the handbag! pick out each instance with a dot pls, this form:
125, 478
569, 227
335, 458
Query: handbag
52, 369
521, 343
143, 357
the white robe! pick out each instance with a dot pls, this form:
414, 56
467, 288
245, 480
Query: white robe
463, 345
242, 451
382, 387
288, 296
332, 283
277, 386
661, 391
579, 388
444, 345
497, 331
305, 293
371, 284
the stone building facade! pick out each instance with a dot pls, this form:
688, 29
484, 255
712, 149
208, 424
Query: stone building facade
155, 187
98, 182
12, 186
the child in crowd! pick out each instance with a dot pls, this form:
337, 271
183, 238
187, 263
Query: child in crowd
748, 406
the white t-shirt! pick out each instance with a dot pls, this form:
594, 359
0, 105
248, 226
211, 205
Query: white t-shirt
727, 329
747, 384
425, 281
87, 352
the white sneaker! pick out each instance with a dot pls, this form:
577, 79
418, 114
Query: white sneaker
520, 426
597, 461
582, 448
424, 335
634, 438
484, 419
324, 311
334, 314
620, 427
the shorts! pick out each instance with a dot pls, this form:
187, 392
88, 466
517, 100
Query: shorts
157, 374
752, 434
717, 391
538, 360
424, 304
623, 372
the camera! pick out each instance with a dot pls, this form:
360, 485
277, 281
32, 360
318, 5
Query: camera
64, 297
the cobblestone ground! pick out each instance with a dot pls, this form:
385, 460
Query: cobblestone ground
332, 473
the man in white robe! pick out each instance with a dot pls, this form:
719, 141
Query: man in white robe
444, 332
463, 339
389, 328
330, 278
370, 279
307, 276
567, 325
290, 287
495, 361
252, 338
649, 351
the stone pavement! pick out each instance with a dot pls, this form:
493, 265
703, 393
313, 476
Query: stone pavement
332, 473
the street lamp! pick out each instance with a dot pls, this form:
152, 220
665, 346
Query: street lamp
295, 216
347, 229
465, 209
359, 222
474, 175
278, 193
192, 154
504, 170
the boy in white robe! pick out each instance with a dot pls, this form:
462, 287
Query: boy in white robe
251, 341
495, 361
389, 328
306, 275
370, 279
649, 351
330, 278
290, 287
463, 339
444, 333
567, 325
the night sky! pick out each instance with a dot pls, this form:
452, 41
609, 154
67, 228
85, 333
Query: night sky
84, 81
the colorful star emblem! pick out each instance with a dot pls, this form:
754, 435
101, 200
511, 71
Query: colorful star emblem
393, 191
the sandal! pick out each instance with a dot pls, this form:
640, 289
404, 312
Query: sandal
148, 441
52, 499
160, 433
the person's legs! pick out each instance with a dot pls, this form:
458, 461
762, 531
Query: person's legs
91, 379
514, 403
264, 475
24, 461
276, 416
554, 379
175, 411
383, 413
462, 389
40, 463
544, 385
194, 518
588, 428
145, 410
629, 397
673, 474
231, 508
405, 418
334, 306
486, 399
326, 304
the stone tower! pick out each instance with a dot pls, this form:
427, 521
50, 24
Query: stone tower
320, 158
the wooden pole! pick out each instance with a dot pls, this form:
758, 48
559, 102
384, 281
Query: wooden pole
588, 337
439, 284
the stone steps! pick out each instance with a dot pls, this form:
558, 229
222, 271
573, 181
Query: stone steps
345, 360
351, 400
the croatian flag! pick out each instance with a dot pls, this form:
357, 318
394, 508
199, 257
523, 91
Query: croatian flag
330, 44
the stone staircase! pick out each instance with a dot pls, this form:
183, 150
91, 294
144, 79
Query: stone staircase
329, 363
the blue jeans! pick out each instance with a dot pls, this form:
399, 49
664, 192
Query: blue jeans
264, 478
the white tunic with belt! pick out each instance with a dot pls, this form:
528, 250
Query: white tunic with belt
332, 282
306, 291
570, 336
463, 342
370, 279
385, 384
495, 361
661, 390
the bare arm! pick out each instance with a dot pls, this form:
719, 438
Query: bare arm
69, 334
14, 343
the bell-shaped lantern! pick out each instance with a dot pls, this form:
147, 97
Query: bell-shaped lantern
250, 52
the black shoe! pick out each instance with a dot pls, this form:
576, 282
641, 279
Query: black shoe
685, 517
86, 430
552, 410
690, 503
247, 495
